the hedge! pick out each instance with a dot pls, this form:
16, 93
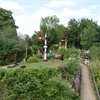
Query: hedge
34, 84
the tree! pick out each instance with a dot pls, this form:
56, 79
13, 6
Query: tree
89, 33
88, 38
6, 19
26, 42
73, 33
6, 49
61, 31
48, 23
8, 36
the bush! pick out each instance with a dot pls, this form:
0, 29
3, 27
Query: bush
72, 68
96, 72
95, 53
95, 56
35, 49
68, 52
1, 62
33, 59
50, 55
73, 52
2, 73
64, 51
36, 84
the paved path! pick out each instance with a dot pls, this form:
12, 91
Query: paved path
87, 90
6, 66
3, 66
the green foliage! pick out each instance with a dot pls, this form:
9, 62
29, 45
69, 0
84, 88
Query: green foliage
50, 26
82, 33
33, 59
88, 40
96, 72
2, 73
89, 33
73, 33
68, 52
8, 38
95, 53
6, 49
3, 87
6, 19
95, 63
50, 55
36, 84
10, 46
35, 49
3, 91
73, 52
10, 43
60, 30
64, 51
48, 23
72, 67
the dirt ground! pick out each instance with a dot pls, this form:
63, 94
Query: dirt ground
87, 89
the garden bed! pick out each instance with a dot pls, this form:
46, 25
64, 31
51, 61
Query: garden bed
40, 81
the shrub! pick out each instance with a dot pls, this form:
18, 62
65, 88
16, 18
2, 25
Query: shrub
35, 49
1, 62
68, 52
2, 73
37, 84
95, 56
64, 51
95, 53
96, 72
73, 52
33, 59
50, 55
72, 68
3, 87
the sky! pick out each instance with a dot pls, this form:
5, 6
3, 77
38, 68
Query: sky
28, 13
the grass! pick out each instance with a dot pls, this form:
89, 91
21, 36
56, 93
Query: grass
54, 63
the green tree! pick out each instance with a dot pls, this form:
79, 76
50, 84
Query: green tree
61, 31
48, 23
8, 36
89, 33
6, 49
50, 26
6, 19
73, 33
88, 38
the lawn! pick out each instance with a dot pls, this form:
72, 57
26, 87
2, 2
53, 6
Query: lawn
53, 63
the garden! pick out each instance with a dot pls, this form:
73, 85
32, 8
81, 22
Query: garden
33, 79
40, 80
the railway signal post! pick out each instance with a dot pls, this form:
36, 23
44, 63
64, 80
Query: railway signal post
44, 38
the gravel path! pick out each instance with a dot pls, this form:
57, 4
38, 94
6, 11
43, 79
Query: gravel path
87, 89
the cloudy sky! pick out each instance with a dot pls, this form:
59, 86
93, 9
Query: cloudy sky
27, 13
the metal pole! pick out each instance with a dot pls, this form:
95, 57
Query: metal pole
45, 48
26, 50
65, 42
59, 45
